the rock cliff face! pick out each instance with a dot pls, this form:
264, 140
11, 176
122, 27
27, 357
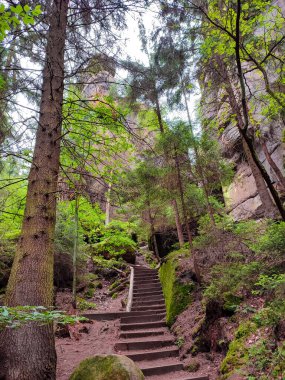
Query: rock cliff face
241, 196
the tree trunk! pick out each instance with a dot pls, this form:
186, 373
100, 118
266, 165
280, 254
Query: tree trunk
158, 113
28, 353
75, 250
273, 165
4, 91
190, 240
108, 202
178, 223
152, 231
199, 167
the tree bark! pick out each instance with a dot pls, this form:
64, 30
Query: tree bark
271, 162
190, 240
158, 114
199, 167
178, 223
108, 202
152, 232
75, 250
28, 353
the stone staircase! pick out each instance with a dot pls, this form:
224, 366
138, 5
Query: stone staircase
144, 336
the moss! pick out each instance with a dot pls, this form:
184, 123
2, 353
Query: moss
238, 354
177, 295
107, 367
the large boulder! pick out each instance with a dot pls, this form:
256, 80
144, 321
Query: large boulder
107, 367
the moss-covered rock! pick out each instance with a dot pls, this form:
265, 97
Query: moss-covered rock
107, 367
177, 292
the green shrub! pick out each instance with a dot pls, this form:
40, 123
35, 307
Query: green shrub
273, 284
273, 240
100, 262
82, 304
114, 246
15, 317
229, 280
263, 359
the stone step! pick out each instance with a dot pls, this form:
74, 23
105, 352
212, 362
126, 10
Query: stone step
148, 300
112, 316
146, 289
151, 309
159, 368
140, 334
142, 325
149, 297
145, 271
145, 277
155, 305
148, 293
144, 318
164, 352
180, 375
146, 282
127, 345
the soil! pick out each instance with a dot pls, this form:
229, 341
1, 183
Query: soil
100, 340
201, 363
87, 339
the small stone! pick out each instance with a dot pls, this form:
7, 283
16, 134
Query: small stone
192, 366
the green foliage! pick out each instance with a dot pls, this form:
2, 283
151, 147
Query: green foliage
15, 317
15, 16
82, 304
274, 283
96, 138
150, 258
252, 352
100, 262
115, 241
177, 294
273, 240
229, 281
237, 355
114, 246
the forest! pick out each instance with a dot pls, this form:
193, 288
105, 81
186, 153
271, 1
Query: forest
142, 190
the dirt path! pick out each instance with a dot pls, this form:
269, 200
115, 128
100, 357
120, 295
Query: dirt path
101, 336
100, 340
